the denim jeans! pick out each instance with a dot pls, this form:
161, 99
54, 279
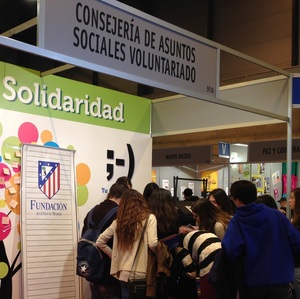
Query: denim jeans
126, 294
297, 282
124, 290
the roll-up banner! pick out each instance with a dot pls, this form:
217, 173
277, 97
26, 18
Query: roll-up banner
48, 223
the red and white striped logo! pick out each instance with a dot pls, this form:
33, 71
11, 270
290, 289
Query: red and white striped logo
49, 178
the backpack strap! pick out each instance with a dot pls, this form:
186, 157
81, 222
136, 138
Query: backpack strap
90, 218
106, 218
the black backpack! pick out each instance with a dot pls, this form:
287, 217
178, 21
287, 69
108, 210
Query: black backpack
91, 262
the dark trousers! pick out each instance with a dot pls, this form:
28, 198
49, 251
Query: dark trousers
104, 291
267, 292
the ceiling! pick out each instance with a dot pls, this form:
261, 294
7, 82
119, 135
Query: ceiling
18, 20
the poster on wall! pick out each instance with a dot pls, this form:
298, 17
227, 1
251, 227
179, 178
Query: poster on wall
266, 185
212, 179
239, 172
166, 184
276, 177
261, 168
109, 138
257, 180
48, 223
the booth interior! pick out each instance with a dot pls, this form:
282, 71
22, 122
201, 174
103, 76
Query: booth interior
269, 177
258, 144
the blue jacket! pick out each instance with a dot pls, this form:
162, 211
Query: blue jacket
266, 240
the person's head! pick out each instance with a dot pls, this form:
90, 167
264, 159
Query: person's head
206, 215
268, 200
124, 180
162, 205
294, 203
294, 200
116, 191
282, 202
220, 199
243, 192
187, 193
149, 188
133, 209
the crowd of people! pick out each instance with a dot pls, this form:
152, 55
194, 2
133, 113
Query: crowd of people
245, 236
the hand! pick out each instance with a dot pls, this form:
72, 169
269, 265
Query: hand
186, 229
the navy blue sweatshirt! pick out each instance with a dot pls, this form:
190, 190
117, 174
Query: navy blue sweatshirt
267, 241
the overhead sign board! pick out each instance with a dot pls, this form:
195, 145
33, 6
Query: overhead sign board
224, 149
182, 156
128, 44
272, 151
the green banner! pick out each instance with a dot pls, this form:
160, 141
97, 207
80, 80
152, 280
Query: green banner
25, 91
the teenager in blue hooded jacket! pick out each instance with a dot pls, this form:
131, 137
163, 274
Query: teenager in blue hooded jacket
260, 236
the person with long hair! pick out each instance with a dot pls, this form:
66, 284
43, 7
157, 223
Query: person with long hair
294, 203
220, 199
126, 231
149, 188
209, 218
203, 247
179, 285
204, 242
163, 207
268, 200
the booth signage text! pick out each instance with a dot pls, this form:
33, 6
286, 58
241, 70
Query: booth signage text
182, 156
224, 150
272, 151
128, 44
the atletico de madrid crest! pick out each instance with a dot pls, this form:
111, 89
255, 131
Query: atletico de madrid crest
49, 178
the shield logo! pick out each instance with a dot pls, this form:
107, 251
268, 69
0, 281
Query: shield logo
49, 177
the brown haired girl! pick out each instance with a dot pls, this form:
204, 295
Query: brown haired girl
220, 199
133, 215
163, 207
210, 218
